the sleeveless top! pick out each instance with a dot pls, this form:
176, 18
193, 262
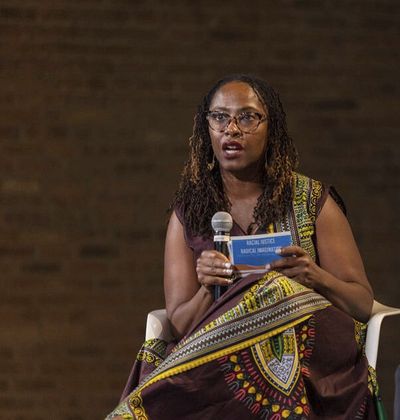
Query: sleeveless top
309, 196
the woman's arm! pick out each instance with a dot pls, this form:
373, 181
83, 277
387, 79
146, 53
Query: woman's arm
340, 277
187, 285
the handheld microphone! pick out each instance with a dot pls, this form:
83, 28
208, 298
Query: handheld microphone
221, 223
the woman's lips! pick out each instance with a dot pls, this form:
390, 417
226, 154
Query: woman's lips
232, 149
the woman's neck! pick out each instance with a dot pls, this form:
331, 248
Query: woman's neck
241, 187
243, 194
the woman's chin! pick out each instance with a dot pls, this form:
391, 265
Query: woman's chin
236, 167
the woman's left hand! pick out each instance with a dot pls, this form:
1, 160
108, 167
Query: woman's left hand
298, 265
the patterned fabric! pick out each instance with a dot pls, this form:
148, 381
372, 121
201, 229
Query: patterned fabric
153, 353
269, 348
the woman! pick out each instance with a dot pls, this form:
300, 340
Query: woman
284, 345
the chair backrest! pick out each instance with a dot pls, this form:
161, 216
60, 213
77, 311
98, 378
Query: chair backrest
378, 313
158, 326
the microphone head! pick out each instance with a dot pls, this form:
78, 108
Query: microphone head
222, 222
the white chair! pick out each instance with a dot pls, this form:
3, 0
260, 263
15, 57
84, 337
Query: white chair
158, 326
378, 312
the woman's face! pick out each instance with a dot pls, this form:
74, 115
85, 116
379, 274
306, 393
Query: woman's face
236, 151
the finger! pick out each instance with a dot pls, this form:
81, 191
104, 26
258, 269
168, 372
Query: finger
214, 255
284, 262
207, 263
291, 272
217, 263
291, 250
213, 271
213, 262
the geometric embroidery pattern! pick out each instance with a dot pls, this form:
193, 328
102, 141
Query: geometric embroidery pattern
281, 371
152, 352
269, 386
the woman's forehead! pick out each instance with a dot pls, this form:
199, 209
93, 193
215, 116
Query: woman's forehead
236, 95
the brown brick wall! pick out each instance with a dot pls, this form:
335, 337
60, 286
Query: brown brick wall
96, 104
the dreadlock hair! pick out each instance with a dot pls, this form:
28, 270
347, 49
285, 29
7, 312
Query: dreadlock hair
201, 193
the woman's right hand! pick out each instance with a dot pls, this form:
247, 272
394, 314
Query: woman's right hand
214, 268
186, 300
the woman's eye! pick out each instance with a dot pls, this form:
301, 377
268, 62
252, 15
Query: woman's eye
219, 116
247, 117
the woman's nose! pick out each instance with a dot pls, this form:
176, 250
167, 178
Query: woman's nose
232, 127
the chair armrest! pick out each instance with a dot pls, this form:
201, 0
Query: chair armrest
158, 326
378, 313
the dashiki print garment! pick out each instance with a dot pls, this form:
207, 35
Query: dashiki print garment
269, 348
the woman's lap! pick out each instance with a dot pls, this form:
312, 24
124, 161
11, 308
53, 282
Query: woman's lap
309, 367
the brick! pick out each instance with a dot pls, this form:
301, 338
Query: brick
98, 251
96, 110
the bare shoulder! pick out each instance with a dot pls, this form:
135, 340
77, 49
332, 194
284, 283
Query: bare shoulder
332, 218
337, 249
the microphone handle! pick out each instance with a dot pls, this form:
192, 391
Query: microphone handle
222, 247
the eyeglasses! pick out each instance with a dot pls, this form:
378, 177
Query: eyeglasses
247, 122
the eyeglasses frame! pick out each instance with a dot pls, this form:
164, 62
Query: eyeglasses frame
261, 117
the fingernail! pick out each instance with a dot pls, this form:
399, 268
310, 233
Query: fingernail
228, 265
278, 251
229, 281
228, 271
268, 266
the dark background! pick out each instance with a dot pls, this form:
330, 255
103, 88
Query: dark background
97, 99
